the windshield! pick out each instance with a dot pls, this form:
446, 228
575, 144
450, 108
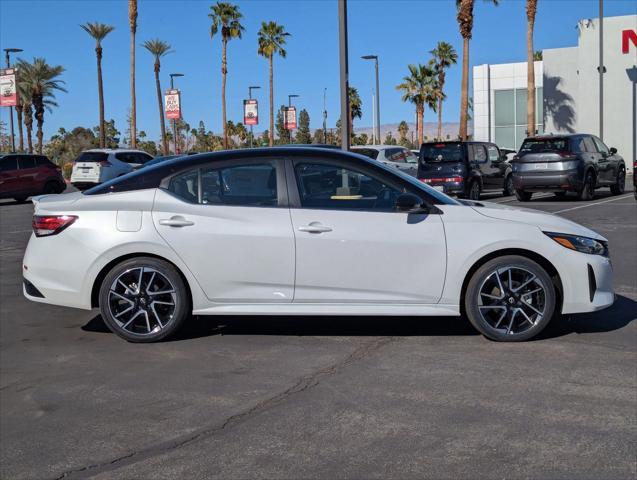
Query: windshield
442, 152
368, 152
539, 145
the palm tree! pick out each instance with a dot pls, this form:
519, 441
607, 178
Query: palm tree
41, 80
444, 56
26, 112
98, 32
132, 20
419, 88
271, 41
227, 16
158, 49
465, 22
531, 10
355, 108
18, 111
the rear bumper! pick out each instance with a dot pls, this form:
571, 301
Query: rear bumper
452, 188
548, 181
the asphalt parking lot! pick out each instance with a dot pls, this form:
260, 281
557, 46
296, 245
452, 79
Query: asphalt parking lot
392, 397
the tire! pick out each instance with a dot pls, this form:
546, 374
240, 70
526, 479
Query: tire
620, 183
141, 315
508, 186
50, 188
560, 195
588, 189
473, 192
512, 316
523, 196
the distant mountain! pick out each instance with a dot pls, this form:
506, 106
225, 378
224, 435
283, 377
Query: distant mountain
430, 131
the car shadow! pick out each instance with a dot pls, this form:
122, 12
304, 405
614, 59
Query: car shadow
623, 312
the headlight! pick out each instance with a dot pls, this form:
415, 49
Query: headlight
580, 244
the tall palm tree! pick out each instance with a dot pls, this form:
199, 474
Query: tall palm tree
465, 22
444, 56
24, 91
271, 41
355, 108
18, 111
531, 10
158, 49
132, 20
41, 80
226, 16
419, 88
98, 32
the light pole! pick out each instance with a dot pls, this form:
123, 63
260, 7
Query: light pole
601, 70
324, 117
375, 58
7, 52
172, 87
255, 87
290, 97
344, 73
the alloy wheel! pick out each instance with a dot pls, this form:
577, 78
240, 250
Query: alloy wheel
142, 301
511, 300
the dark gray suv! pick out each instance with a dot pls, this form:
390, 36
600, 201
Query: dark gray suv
577, 163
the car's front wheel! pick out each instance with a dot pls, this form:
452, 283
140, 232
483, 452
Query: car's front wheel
144, 300
510, 299
508, 185
523, 196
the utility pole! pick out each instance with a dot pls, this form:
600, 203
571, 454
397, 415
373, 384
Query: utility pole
324, 117
172, 87
7, 52
375, 58
601, 70
344, 73
251, 126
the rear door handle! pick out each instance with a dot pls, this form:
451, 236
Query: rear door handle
176, 221
315, 228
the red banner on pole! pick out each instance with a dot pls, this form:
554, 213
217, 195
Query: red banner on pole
289, 118
8, 88
250, 112
172, 101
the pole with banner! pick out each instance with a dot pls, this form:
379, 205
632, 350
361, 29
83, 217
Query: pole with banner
251, 115
289, 118
172, 102
9, 95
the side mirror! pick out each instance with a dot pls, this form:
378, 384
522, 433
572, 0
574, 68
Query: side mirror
410, 203
613, 150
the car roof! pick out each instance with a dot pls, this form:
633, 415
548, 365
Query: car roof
113, 150
376, 147
559, 135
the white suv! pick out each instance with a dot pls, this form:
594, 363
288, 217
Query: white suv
99, 165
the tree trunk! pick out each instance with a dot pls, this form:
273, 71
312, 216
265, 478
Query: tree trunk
420, 113
224, 71
439, 118
28, 123
530, 74
162, 124
271, 101
464, 98
133, 112
18, 111
100, 93
39, 136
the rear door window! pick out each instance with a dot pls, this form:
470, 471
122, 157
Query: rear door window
603, 149
395, 155
26, 161
368, 152
494, 154
479, 153
8, 163
589, 145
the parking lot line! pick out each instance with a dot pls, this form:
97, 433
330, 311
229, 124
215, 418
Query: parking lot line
626, 195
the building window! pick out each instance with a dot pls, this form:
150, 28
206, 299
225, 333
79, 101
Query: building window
510, 116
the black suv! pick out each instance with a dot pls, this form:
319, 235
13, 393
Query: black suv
464, 168
567, 163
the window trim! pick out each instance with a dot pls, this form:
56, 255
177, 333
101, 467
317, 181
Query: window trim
277, 163
367, 169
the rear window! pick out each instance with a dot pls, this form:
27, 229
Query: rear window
368, 152
8, 163
540, 145
92, 157
442, 152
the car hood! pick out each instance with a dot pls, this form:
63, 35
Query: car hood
547, 222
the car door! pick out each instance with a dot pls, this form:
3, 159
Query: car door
230, 224
9, 175
352, 246
478, 161
607, 163
495, 168
28, 174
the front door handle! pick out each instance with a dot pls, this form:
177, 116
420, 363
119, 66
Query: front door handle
176, 221
315, 228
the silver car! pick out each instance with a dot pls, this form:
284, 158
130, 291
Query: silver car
395, 156
96, 166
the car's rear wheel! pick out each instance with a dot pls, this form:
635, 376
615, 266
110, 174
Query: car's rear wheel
560, 195
473, 193
508, 185
510, 299
523, 196
620, 183
144, 300
588, 189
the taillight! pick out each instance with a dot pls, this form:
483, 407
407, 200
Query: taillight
46, 225
566, 155
105, 163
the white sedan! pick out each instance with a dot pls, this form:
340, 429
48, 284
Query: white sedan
305, 231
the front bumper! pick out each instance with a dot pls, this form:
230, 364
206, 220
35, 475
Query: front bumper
568, 180
589, 287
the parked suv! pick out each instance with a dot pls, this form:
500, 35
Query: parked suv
23, 175
567, 163
465, 168
400, 157
99, 165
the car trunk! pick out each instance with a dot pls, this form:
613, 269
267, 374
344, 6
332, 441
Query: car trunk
88, 167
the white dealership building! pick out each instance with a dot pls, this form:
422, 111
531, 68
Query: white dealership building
567, 90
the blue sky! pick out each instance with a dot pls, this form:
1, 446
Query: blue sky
400, 32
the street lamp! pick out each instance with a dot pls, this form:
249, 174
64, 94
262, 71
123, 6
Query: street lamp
375, 58
254, 87
290, 97
324, 117
172, 87
7, 52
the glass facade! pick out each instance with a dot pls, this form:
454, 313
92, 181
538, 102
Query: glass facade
510, 116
